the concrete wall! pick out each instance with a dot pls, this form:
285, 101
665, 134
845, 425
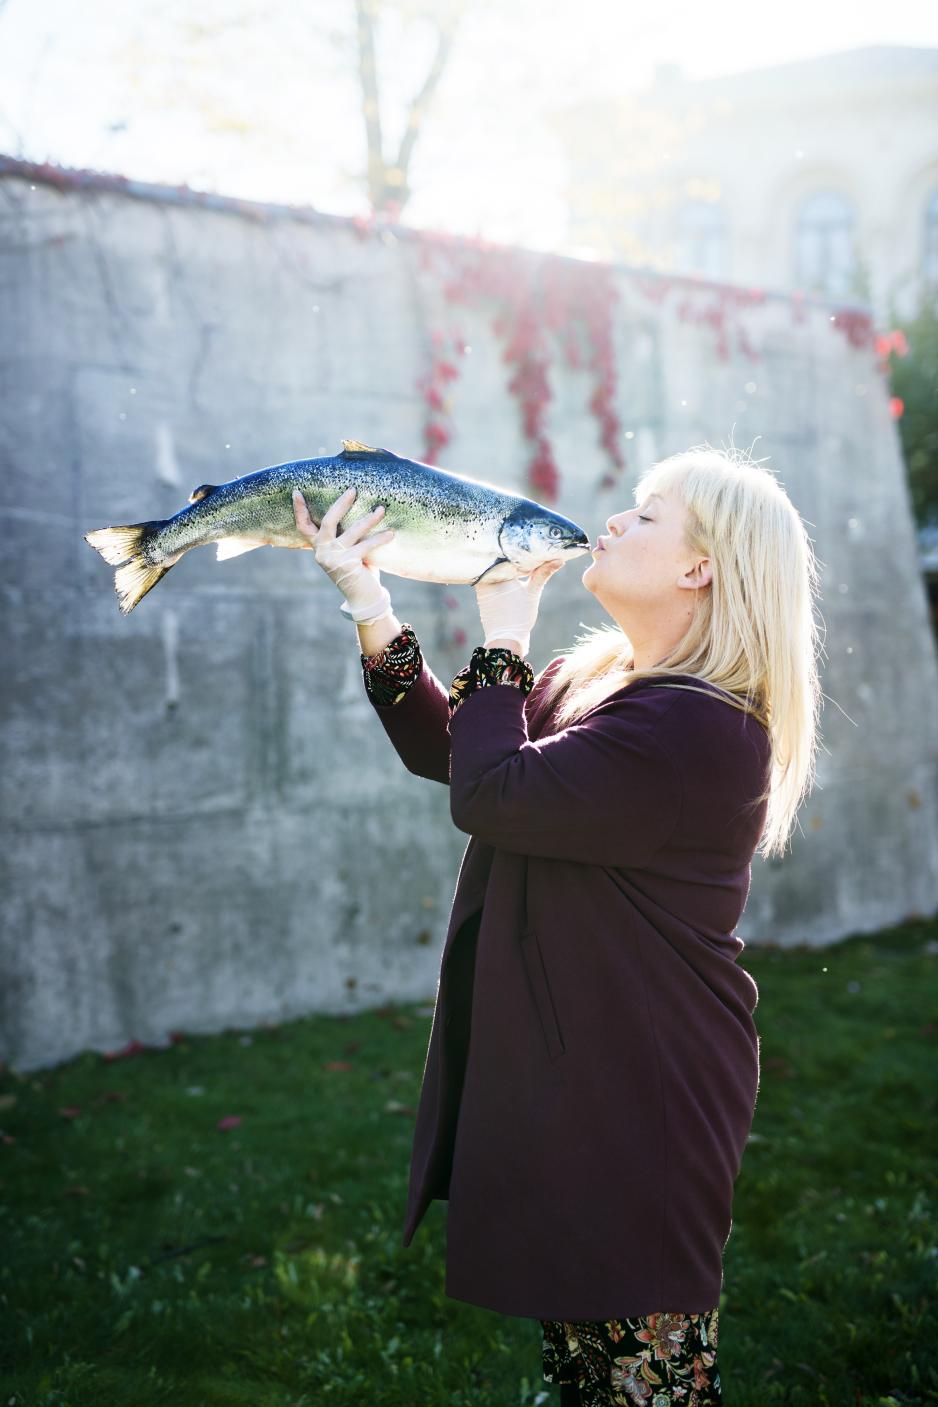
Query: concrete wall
203, 822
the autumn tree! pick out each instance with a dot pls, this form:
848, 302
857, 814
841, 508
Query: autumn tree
914, 380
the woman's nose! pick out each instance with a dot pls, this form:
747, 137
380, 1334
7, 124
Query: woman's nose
621, 521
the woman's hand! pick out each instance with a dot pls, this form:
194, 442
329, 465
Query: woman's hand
509, 608
342, 558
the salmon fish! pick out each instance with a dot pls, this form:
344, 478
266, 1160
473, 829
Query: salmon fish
447, 528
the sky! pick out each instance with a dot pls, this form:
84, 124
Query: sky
257, 99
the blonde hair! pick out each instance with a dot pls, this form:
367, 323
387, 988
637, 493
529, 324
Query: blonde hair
753, 635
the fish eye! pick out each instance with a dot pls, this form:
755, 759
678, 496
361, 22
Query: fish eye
555, 531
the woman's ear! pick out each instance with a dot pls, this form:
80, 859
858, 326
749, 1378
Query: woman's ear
698, 576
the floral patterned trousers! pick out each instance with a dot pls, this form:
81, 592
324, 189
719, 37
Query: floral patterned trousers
659, 1360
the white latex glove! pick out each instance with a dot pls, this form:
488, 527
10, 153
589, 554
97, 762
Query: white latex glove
509, 608
341, 557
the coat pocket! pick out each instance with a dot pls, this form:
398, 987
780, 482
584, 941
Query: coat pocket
540, 991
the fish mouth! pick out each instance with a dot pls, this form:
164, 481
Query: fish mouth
576, 541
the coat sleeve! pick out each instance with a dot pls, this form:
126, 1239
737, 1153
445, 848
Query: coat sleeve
418, 727
601, 792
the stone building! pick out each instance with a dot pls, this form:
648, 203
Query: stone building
819, 175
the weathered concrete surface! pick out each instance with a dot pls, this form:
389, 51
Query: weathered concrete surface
203, 823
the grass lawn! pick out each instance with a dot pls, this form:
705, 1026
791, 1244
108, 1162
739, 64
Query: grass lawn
151, 1254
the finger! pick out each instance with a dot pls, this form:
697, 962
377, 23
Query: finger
300, 509
333, 514
301, 513
377, 538
373, 541
354, 532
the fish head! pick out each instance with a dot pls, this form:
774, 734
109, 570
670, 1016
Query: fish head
531, 535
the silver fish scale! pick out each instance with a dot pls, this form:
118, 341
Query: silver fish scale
446, 529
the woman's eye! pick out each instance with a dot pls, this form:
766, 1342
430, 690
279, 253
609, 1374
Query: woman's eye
643, 520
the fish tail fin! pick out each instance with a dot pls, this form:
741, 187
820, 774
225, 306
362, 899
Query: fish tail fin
129, 541
133, 581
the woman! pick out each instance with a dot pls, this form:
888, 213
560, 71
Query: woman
588, 1137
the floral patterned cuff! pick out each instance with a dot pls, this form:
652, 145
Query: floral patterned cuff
392, 671
488, 667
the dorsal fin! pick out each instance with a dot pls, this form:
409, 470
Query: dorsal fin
356, 447
201, 492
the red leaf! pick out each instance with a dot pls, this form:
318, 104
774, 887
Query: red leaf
230, 1121
131, 1048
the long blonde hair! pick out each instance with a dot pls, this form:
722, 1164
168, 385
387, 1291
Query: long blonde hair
753, 636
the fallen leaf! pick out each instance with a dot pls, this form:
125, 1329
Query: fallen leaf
71, 1111
393, 1107
230, 1121
337, 1065
131, 1048
77, 1191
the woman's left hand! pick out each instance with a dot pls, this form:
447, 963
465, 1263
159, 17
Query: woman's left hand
509, 608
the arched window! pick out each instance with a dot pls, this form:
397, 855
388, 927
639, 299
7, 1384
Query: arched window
825, 248
702, 240
930, 243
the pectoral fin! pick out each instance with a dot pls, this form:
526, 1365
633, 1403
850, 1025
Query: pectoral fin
233, 547
490, 568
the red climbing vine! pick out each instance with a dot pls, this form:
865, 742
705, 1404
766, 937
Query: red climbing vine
531, 297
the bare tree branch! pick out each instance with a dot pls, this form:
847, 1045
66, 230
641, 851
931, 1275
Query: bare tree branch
371, 106
388, 186
421, 103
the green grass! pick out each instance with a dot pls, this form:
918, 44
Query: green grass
150, 1257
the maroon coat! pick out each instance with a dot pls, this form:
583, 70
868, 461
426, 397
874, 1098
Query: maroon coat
607, 1093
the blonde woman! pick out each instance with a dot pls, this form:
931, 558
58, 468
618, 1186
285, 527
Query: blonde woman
588, 1136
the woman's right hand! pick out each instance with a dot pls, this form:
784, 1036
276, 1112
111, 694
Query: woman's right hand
341, 558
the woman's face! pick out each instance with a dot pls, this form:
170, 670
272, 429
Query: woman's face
644, 564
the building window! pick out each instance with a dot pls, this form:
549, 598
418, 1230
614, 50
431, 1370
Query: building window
702, 240
825, 247
930, 255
